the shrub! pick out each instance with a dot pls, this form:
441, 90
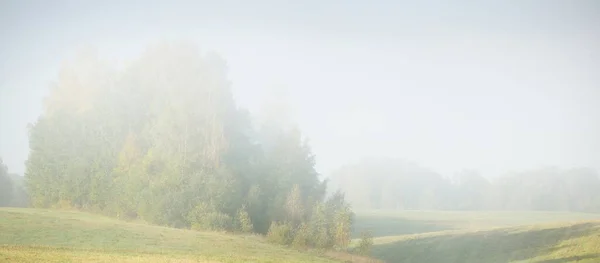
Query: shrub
243, 221
319, 227
342, 226
365, 244
203, 217
301, 236
280, 233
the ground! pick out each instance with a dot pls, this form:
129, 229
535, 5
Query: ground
543, 237
33, 235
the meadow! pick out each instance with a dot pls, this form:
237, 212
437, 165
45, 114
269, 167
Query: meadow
392, 223
433, 236
37, 235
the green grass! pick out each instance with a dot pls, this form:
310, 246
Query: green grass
33, 235
392, 223
568, 242
480, 237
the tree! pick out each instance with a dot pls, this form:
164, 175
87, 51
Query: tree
162, 140
396, 184
244, 223
302, 236
319, 226
280, 233
342, 227
6, 185
389, 184
294, 206
365, 244
471, 191
19, 195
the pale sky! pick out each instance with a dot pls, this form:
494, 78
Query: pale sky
494, 88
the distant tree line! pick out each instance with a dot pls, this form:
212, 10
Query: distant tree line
12, 190
162, 140
396, 184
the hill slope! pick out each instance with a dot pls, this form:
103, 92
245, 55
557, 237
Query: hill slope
395, 223
572, 242
33, 235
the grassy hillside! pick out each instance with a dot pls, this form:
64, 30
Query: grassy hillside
480, 237
33, 235
568, 242
392, 223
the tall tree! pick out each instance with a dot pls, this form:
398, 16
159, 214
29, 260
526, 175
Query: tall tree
162, 140
6, 185
294, 206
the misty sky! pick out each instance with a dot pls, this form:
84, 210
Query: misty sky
495, 88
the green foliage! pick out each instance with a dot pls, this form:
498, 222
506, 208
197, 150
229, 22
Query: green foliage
162, 140
204, 217
328, 225
342, 227
280, 233
365, 245
243, 221
302, 237
342, 217
293, 206
19, 197
319, 226
257, 209
6, 186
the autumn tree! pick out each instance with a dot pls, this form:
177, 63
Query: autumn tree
162, 140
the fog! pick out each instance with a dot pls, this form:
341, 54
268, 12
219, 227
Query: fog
491, 88
314, 131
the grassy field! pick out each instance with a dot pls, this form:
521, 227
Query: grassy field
578, 242
392, 223
32, 235
465, 237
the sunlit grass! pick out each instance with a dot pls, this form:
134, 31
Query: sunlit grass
32, 235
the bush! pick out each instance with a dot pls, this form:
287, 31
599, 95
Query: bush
243, 221
202, 217
301, 236
216, 221
319, 227
365, 244
280, 233
342, 226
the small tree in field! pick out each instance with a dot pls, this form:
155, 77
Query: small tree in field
366, 243
342, 226
243, 221
319, 225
